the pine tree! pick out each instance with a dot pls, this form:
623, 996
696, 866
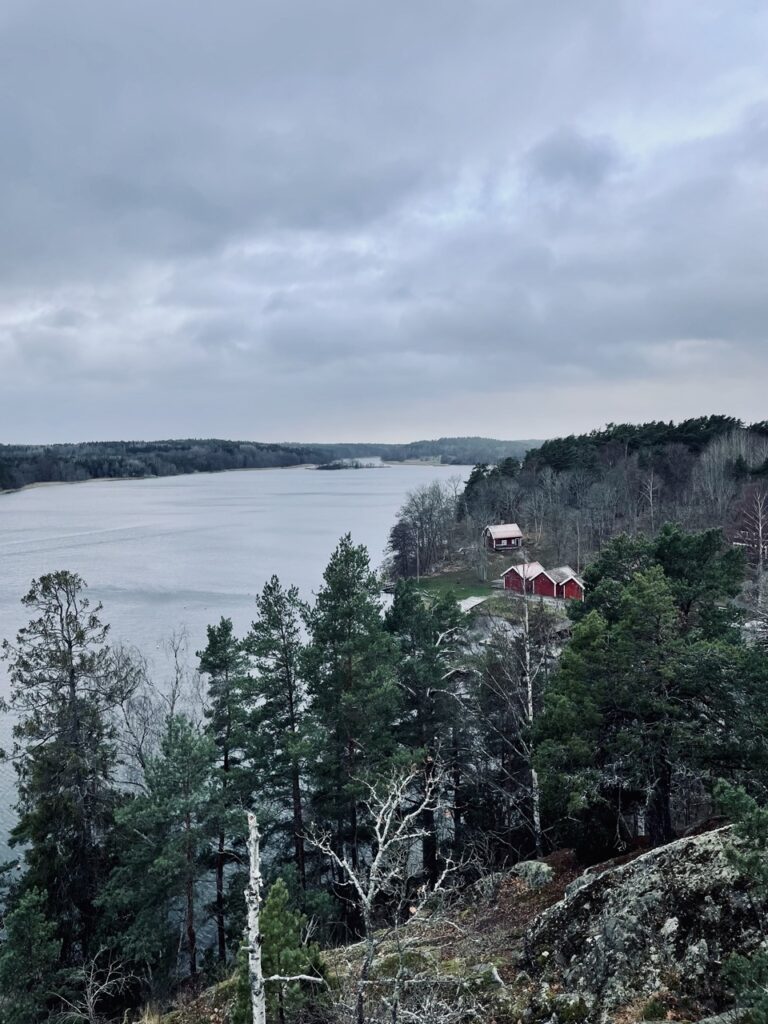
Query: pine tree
29, 959
65, 682
349, 665
152, 894
279, 722
639, 695
229, 697
426, 633
285, 954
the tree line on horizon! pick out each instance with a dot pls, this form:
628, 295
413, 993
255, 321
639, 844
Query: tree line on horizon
21, 465
132, 796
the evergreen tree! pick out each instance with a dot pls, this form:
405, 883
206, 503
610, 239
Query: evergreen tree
151, 900
349, 665
639, 695
65, 681
284, 954
279, 723
229, 696
702, 570
748, 974
29, 958
426, 633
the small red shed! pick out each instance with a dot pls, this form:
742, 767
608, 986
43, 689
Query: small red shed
567, 583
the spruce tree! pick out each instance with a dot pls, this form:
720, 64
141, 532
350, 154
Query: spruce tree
278, 735
349, 664
151, 900
228, 699
65, 682
29, 959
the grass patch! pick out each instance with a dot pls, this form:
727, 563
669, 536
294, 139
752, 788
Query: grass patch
460, 583
462, 580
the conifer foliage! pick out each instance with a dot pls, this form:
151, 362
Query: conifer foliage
65, 684
509, 740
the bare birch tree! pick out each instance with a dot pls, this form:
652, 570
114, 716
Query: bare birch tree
100, 979
253, 900
397, 809
753, 535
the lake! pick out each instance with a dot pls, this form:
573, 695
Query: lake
180, 552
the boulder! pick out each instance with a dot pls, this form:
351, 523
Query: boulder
662, 923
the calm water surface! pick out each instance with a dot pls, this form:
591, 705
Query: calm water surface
180, 552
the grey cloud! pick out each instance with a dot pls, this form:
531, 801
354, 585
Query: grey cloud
402, 219
566, 157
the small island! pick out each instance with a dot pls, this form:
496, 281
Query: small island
350, 464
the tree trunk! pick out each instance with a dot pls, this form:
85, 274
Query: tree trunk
253, 902
298, 828
220, 929
429, 847
191, 933
456, 779
429, 841
659, 809
221, 857
365, 971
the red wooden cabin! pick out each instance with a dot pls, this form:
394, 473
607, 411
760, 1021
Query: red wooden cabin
503, 537
567, 583
529, 578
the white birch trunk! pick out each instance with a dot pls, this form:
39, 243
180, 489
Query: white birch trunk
253, 902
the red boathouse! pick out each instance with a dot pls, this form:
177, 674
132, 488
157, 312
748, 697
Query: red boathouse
533, 578
529, 578
567, 583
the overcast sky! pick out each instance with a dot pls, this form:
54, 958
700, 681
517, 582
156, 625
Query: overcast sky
380, 219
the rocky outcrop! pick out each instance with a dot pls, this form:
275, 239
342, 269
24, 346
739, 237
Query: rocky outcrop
660, 925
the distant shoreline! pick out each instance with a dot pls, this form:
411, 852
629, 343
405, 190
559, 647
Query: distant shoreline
149, 476
200, 472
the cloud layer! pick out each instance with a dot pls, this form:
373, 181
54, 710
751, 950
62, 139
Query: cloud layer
354, 220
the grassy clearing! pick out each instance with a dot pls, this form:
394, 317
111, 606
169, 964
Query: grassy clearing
461, 585
462, 581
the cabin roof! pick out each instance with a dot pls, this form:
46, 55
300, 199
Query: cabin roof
564, 573
504, 531
527, 570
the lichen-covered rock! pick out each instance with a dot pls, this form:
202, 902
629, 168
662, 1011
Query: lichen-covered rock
664, 922
535, 873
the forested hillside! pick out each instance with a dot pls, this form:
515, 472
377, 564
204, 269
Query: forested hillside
21, 465
460, 451
392, 759
572, 494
